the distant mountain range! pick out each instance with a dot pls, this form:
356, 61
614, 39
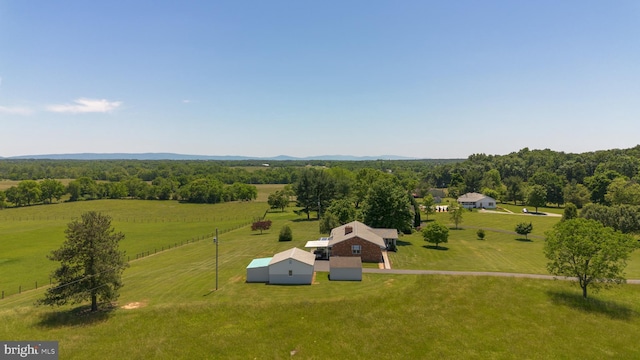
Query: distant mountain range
171, 156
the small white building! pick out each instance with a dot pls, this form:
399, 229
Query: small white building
345, 268
477, 201
293, 266
258, 270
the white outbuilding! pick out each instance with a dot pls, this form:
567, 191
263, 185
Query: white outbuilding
293, 266
258, 270
345, 268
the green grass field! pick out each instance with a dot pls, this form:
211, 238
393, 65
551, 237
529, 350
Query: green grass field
178, 315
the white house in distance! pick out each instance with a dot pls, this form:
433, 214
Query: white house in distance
477, 201
293, 266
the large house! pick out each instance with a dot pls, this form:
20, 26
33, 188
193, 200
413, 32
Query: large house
358, 239
477, 201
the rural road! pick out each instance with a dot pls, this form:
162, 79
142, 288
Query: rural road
471, 273
323, 265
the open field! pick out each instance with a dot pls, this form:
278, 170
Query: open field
30, 233
176, 314
394, 316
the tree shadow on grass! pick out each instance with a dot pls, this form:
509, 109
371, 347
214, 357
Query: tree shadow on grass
524, 240
305, 219
81, 315
403, 243
433, 247
575, 301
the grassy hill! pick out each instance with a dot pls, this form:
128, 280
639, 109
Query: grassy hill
173, 311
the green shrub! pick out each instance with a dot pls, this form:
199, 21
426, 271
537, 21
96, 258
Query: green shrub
480, 234
285, 234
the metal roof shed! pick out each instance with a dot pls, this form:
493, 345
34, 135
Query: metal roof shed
258, 270
293, 266
345, 268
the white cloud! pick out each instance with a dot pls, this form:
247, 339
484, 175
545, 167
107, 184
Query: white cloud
16, 110
186, 101
84, 105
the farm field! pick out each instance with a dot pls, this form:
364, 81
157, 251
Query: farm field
175, 312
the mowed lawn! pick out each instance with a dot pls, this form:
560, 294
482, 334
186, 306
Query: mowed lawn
174, 312
28, 234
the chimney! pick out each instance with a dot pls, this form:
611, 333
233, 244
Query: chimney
348, 230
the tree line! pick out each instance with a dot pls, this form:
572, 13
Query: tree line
534, 178
201, 190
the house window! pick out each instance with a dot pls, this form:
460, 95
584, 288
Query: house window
356, 249
290, 272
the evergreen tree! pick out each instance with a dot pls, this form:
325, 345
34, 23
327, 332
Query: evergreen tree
91, 264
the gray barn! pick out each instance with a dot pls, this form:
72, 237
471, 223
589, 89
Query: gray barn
345, 268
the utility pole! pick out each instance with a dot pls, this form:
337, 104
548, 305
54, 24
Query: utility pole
215, 240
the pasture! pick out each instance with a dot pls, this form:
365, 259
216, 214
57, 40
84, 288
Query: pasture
174, 311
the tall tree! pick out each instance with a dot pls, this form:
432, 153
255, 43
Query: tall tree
622, 191
278, 200
343, 209
577, 194
30, 191
428, 202
324, 190
387, 206
51, 189
328, 221
598, 184
514, 188
537, 196
13, 195
304, 191
455, 214
315, 190
595, 254
91, 264
552, 183
364, 179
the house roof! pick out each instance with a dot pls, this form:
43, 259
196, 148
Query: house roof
346, 262
296, 254
359, 230
386, 233
256, 263
472, 197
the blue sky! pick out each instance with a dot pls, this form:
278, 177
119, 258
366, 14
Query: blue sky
424, 79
